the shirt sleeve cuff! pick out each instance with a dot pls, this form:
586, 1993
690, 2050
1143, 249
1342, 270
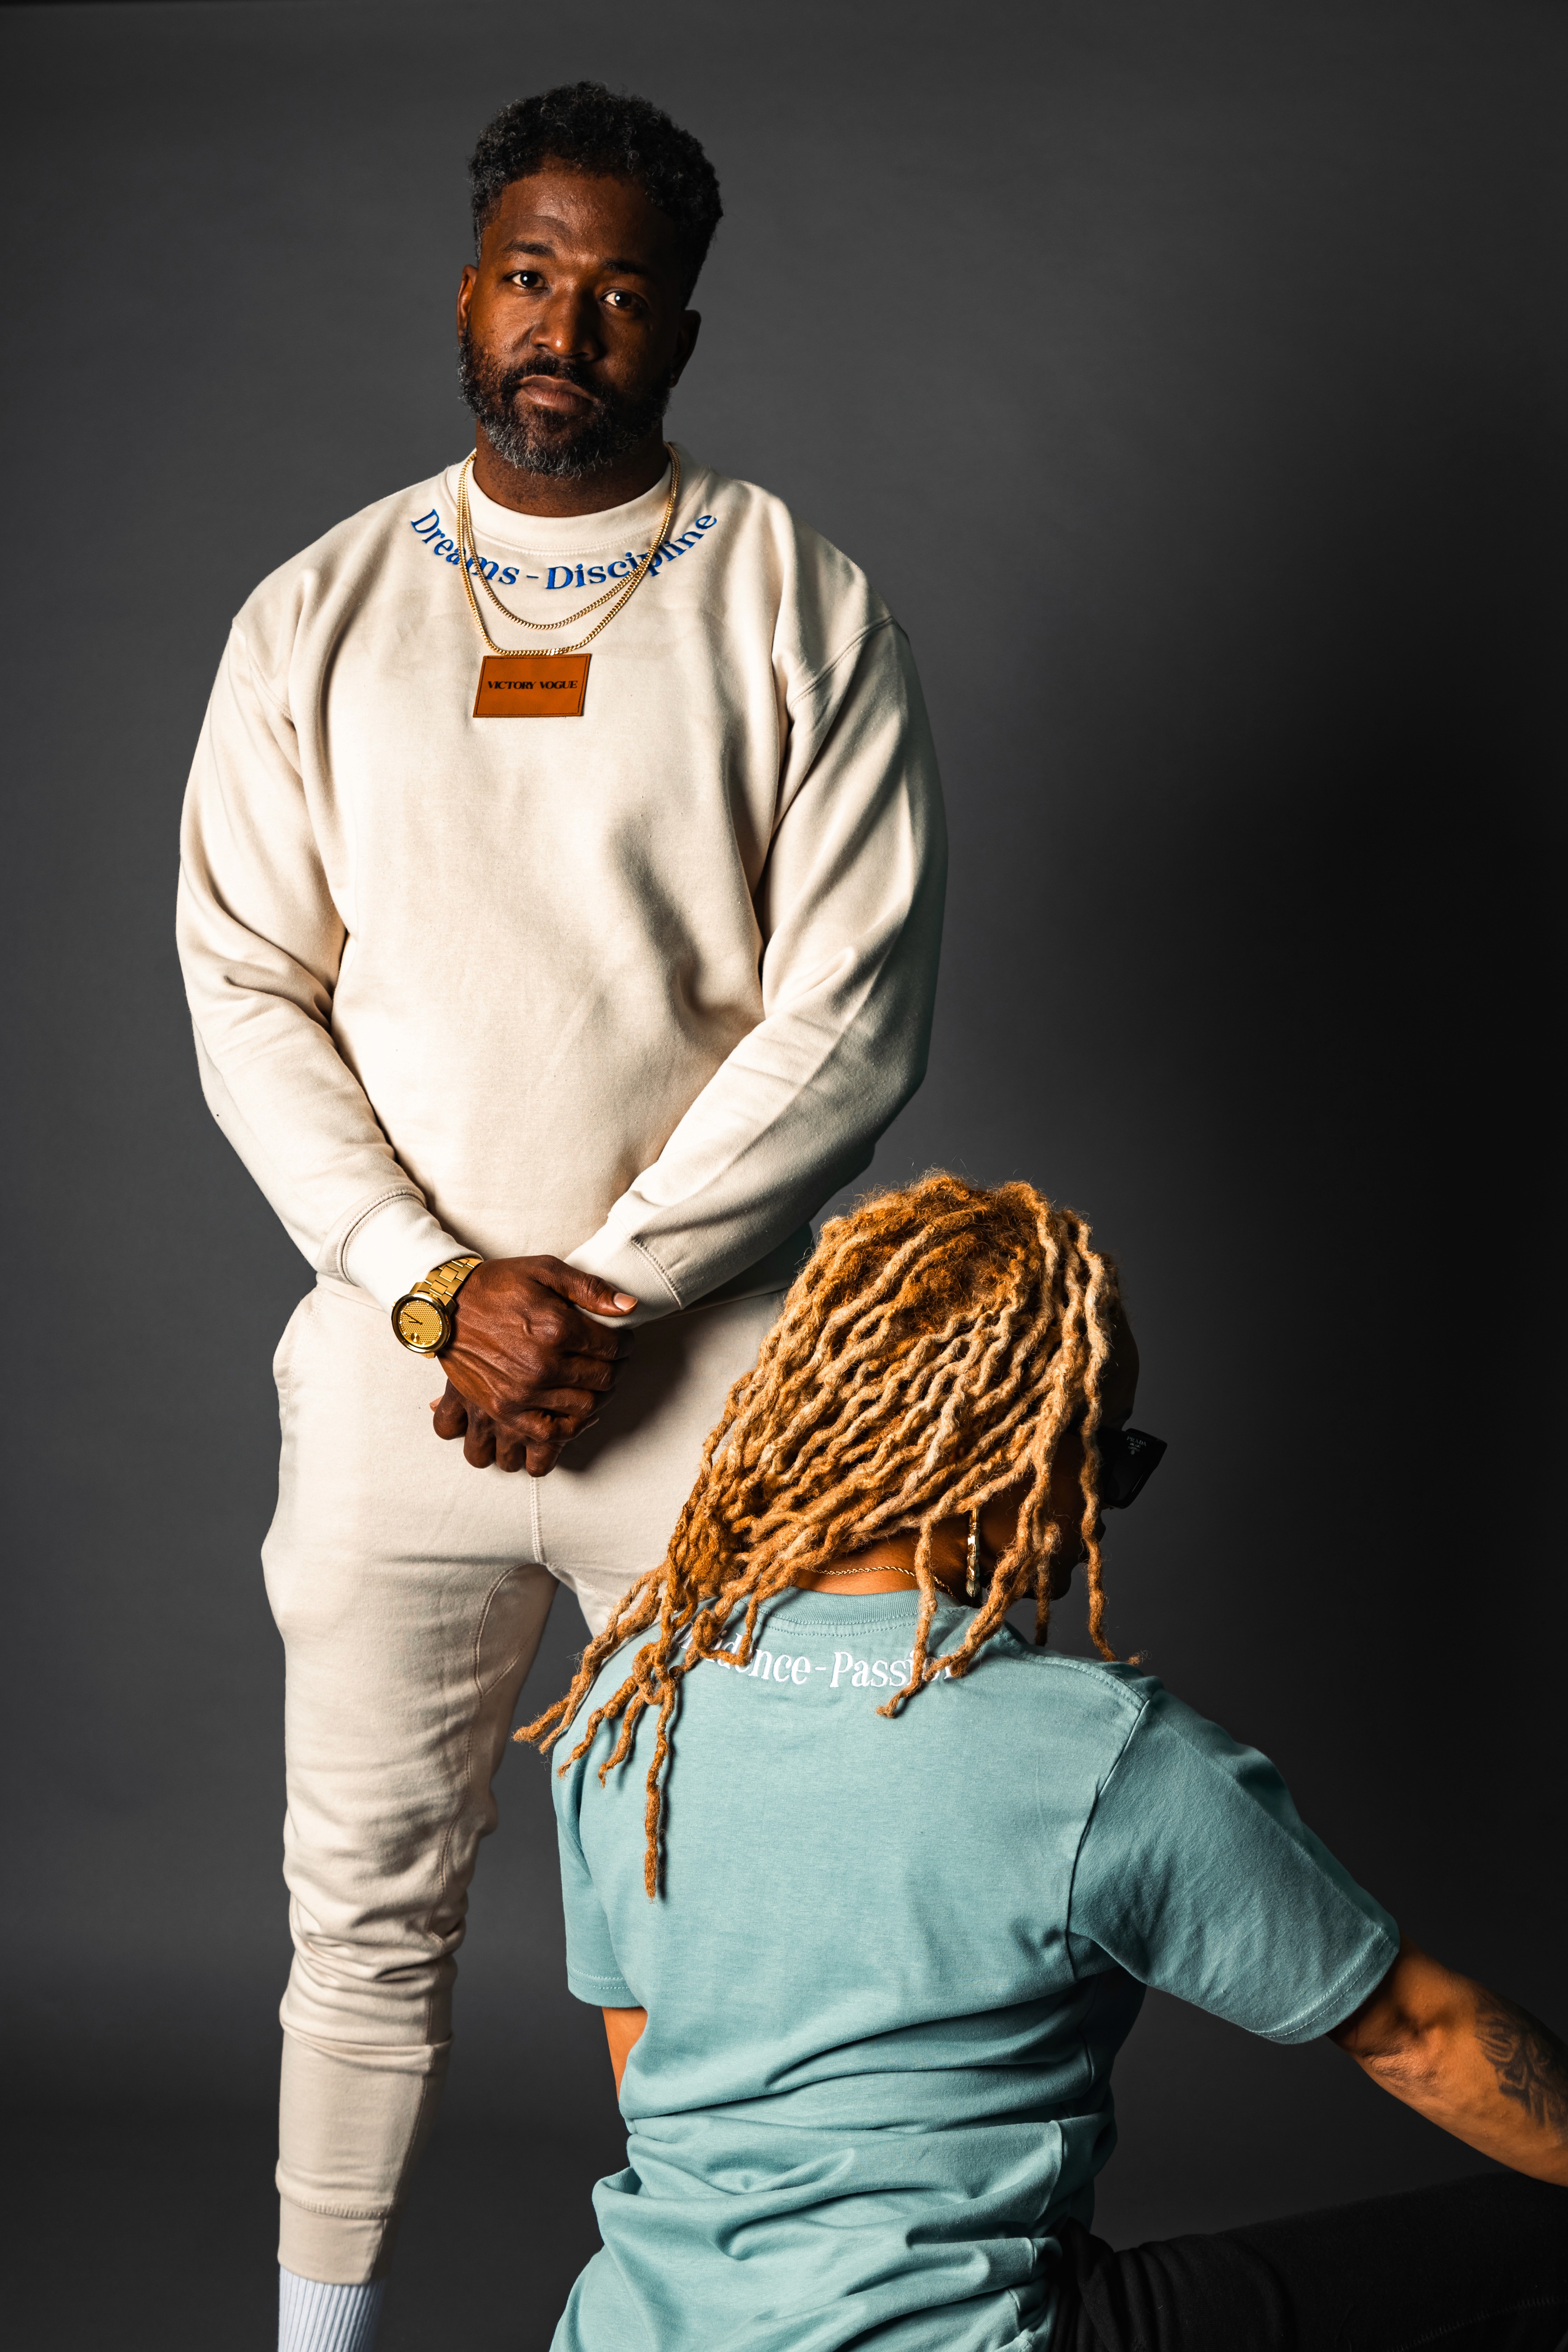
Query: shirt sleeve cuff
625, 1266
600, 1991
396, 1246
1350, 1988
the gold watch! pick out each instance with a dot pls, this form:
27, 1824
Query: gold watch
422, 1318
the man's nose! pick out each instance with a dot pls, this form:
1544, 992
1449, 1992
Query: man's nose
568, 325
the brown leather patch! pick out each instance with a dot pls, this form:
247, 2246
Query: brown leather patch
531, 686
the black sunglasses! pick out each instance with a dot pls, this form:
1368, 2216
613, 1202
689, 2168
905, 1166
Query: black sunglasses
1128, 1460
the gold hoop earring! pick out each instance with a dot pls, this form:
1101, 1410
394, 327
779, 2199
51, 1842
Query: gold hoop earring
971, 1571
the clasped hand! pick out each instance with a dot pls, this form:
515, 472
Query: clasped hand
526, 1370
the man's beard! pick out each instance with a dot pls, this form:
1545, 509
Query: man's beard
539, 443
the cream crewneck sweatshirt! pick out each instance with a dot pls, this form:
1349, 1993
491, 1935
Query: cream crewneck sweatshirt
639, 987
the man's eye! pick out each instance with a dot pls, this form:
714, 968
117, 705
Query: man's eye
529, 277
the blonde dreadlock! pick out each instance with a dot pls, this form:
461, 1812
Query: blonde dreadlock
933, 1352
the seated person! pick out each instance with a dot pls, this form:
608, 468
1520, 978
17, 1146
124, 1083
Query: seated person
869, 1887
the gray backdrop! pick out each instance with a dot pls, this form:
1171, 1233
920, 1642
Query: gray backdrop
1189, 378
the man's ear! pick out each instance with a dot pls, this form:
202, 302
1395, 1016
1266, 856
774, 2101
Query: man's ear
686, 333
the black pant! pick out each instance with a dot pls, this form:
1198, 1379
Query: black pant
1479, 2265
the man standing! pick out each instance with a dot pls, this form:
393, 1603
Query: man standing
545, 993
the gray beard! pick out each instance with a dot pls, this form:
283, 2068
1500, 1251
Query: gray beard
566, 447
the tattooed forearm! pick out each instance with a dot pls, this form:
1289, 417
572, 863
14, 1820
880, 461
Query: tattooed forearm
1530, 2063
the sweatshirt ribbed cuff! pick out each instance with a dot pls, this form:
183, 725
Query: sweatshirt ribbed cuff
396, 1246
613, 1259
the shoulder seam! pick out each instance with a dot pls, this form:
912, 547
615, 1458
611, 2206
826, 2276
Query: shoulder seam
1088, 1819
1052, 1659
263, 685
885, 620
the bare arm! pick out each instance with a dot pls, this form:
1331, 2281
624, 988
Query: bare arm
622, 2027
1468, 2060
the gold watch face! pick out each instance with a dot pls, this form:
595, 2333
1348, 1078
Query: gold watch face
422, 1324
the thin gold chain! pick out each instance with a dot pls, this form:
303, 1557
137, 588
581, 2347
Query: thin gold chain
908, 1573
616, 587
468, 550
878, 1568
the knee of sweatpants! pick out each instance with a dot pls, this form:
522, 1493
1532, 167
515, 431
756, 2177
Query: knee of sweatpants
374, 1998
380, 1846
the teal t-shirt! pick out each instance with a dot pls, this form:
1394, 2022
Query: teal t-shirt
892, 1966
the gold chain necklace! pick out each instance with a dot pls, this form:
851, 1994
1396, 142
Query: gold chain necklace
553, 682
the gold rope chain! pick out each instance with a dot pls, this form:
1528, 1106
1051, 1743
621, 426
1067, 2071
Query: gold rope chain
623, 592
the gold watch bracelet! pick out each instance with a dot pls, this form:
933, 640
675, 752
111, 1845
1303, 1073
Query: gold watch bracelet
422, 1318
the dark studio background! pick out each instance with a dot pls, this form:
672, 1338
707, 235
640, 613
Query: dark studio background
1190, 378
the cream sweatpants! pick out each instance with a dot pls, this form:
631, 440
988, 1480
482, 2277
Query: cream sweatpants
411, 1591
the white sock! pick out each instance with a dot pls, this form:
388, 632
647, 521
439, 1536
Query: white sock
315, 2317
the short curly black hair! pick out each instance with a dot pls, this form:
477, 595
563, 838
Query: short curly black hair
589, 128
